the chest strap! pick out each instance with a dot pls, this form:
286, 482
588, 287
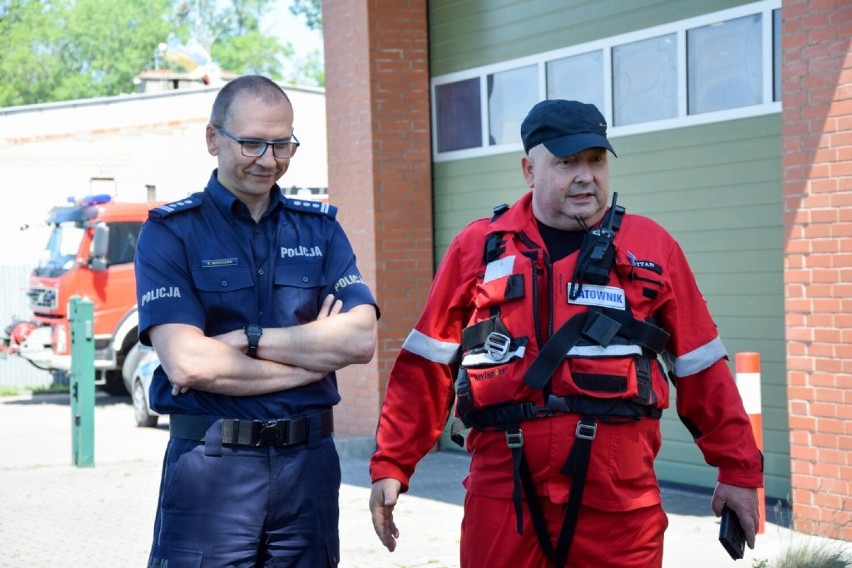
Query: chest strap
598, 326
506, 416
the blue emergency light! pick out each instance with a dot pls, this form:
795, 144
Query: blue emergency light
96, 199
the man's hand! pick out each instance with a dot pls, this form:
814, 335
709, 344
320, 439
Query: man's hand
743, 501
330, 307
382, 501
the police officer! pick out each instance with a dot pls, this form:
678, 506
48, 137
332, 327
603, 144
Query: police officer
549, 320
252, 302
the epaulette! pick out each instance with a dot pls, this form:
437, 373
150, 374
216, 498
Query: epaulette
167, 209
310, 206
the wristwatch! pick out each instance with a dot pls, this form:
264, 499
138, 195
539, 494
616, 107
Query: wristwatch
253, 332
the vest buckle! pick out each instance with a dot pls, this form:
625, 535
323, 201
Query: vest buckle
515, 438
497, 345
586, 431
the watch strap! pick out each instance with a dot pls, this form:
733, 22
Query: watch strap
253, 333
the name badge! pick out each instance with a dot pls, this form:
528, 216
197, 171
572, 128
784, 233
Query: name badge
602, 296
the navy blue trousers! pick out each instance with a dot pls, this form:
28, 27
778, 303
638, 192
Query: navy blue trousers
248, 507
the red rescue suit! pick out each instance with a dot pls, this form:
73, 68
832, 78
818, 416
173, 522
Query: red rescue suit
525, 299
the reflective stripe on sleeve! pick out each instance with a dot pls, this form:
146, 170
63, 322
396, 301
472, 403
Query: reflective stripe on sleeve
699, 359
437, 351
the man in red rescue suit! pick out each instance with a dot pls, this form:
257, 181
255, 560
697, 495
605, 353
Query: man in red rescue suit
547, 323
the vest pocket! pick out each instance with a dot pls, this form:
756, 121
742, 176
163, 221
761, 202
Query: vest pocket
606, 377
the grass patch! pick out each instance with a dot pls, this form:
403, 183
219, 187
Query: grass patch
52, 389
810, 555
10, 391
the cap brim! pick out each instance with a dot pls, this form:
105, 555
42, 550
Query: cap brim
575, 143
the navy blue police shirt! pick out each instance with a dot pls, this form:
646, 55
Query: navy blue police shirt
203, 261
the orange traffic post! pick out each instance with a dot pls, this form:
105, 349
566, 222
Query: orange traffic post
748, 383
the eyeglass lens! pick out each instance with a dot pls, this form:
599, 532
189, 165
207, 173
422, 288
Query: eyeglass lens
279, 150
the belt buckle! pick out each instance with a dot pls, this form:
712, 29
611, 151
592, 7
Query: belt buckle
497, 345
272, 433
586, 431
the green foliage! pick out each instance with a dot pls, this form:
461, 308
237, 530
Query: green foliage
55, 50
9, 391
311, 10
30, 64
107, 43
309, 71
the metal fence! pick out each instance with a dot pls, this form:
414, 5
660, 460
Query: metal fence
14, 371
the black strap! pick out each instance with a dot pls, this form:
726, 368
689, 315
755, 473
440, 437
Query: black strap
535, 511
475, 335
577, 466
515, 441
553, 352
506, 416
622, 323
598, 326
494, 247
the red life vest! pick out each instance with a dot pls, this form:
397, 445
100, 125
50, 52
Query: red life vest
601, 361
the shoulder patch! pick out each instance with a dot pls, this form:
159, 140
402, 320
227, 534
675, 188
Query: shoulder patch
167, 209
310, 206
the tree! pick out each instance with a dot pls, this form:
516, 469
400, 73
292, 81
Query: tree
108, 42
311, 69
54, 50
311, 10
29, 65
231, 33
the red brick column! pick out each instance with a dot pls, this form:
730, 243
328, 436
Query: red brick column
379, 159
817, 162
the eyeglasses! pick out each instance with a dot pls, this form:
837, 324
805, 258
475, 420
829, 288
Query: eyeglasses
255, 148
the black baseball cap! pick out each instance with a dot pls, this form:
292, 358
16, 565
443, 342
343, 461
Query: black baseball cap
565, 127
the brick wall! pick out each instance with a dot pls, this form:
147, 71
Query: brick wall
377, 108
817, 139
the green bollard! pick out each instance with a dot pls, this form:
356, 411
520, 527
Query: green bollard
81, 318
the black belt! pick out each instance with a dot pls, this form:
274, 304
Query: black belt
278, 432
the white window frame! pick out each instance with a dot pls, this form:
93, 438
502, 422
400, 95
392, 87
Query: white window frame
768, 106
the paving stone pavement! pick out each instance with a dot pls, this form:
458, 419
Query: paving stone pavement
55, 514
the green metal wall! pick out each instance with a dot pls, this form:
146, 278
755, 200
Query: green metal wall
472, 33
715, 187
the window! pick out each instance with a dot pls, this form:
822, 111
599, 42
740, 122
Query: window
122, 242
718, 66
511, 94
724, 65
577, 78
459, 115
644, 80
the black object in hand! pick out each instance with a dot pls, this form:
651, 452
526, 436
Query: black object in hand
731, 534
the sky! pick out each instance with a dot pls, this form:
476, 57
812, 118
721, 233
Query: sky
287, 27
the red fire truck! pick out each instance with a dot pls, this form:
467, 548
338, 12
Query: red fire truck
89, 253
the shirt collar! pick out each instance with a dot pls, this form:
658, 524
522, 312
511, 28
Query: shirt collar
226, 202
